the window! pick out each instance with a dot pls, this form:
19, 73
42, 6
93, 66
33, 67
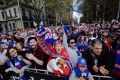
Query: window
3, 15
1, 29
14, 26
10, 13
10, 26
6, 14
15, 12
6, 27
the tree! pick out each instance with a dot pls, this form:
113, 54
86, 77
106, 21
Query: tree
93, 10
59, 9
54, 11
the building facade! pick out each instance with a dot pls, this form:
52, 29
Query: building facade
16, 15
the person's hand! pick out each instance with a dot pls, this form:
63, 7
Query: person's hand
81, 78
20, 57
7, 70
103, 70
60, 71
30, 56
21, 72
95, 68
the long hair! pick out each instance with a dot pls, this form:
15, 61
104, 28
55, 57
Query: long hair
8, 54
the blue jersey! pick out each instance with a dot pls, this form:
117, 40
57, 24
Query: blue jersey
18, 64
81, 46
117, 63
79, 74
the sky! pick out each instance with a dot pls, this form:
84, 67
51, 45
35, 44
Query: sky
77, 14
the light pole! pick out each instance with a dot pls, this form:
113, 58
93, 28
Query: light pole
104, 15
118, 11
20, 13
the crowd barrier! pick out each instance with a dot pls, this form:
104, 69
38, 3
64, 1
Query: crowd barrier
38, 74
98, 77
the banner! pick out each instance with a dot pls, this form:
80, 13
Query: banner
38, 76
20, 24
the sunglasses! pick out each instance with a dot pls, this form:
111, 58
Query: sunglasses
72, 42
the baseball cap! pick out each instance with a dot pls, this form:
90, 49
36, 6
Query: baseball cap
82, 62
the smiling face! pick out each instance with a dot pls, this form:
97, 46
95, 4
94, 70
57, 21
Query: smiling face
19, 46
33, 43
13, 52
61, 62
72, 43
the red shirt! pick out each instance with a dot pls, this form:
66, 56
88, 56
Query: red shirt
63, 52
41, 55
66, 71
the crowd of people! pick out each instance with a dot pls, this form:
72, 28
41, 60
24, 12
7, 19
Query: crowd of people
75, 52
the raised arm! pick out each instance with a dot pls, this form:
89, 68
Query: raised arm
65, 44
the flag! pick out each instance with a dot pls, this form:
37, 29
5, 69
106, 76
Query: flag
34, 23
41, 24
42, 29
67, 30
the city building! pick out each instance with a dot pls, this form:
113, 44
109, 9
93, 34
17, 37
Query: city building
16, 15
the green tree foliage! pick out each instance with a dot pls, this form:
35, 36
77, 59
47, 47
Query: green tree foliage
59, 9
93, 10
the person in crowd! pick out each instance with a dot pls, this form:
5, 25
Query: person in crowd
82, 44
17, 63
96, 33
21, 49
75, 33
53, 44
58, 66
18, 38
104, 34
11, 42
116, 69
102, 55
37, 56
3, 60
72, 50
98, 63
107, 43
80, 72
90, 37
107, 48
58, 50
20, 46
4, 38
